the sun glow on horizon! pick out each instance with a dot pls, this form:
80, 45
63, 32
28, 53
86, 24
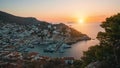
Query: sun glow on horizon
80, 21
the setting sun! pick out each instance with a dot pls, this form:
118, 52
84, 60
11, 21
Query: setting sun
81, 21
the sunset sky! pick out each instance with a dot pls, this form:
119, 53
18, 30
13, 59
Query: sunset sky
62, 10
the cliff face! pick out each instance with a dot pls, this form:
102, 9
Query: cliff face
37, 27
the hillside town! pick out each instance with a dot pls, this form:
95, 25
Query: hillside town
16, 40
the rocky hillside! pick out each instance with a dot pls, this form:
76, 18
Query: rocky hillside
9, 18
72, 35
32, 26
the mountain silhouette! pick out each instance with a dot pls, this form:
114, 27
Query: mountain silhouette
9, 18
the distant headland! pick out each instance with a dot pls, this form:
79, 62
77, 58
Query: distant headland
34, 27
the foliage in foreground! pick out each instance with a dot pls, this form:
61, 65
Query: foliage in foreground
108, 51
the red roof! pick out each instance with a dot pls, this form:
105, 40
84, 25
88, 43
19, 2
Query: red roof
44, 57
32, 53
68, 58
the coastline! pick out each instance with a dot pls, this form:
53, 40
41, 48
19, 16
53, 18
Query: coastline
71, 41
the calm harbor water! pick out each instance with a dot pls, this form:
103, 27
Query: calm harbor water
77, 49
91, 29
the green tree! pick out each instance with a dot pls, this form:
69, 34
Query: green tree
111, 36
77, 63
109, 48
